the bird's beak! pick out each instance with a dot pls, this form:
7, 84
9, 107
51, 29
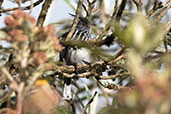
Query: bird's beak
72, 14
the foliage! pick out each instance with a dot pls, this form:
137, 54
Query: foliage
132, 66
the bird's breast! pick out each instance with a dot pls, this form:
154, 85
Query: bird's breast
79, 55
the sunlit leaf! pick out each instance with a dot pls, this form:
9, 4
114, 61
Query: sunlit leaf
140, 34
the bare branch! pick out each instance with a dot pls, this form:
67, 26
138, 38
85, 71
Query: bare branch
90, 8
138, 3
75, 20
5, 71
97, 8
157, 5
113, 86
23, 8
121, 9
162, 13
5, 97
43, 12
31, 6
1, 2
107, 26
88, 104
19, 98
155, 8
19, 3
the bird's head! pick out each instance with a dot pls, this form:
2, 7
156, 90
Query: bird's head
83, 23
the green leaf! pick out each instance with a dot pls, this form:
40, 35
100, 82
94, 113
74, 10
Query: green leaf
140, 34
114, 102
63, 110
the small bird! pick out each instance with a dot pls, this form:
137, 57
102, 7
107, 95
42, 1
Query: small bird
72, 55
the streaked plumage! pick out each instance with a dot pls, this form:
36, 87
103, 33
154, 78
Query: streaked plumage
73, 55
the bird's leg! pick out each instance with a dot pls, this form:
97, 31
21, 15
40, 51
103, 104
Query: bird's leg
75, 71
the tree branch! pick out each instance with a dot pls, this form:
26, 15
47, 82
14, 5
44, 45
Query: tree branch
88, 104
107, 26
75, 20
23, 8
43, 13
138, 3
162, 13
121, 9
90, 8
6, 73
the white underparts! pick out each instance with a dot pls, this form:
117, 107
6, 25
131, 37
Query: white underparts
67, 92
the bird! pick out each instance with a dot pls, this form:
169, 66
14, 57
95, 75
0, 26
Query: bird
72, 55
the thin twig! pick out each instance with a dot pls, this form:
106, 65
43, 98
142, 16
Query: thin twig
155, 8
138, 3
88, 104
107, 26
31, 6
43, 12
112, 19
80, 101
89, 74
97, 8
88, 1
166, 2
19, 3
19, 98
90, 8
162, 13
84, 68
115, 7
120, 10
1, 2
31, 81
5, 96
23, 8
75, 20
6, 73
114, 76
85, 9
113, 86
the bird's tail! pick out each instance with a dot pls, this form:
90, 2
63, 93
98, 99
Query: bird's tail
67, 89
